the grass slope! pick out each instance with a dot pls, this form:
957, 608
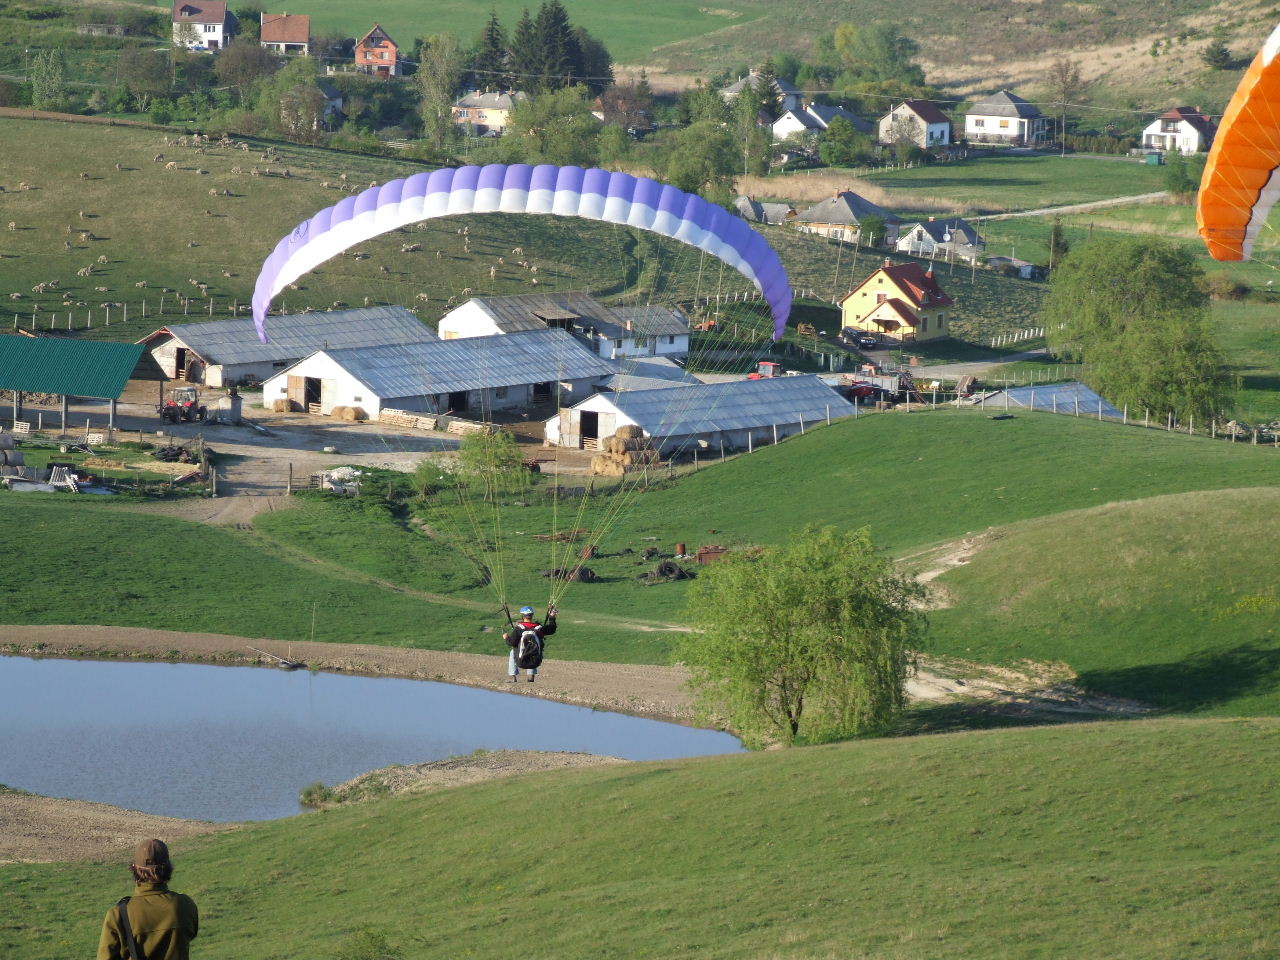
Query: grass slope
1142, 840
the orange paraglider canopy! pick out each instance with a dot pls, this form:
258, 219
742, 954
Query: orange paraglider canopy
1240, 183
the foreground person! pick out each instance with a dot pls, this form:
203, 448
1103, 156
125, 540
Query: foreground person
154, 923
527, 640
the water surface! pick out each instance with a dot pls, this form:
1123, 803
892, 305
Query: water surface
239, 743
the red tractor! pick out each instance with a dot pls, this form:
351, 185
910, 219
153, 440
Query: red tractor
183, 405
766, 370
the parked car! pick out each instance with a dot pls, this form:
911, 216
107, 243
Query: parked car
860, 338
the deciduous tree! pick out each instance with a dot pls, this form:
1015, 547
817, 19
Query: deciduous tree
438, 76
811, 640
243, 63
1136, 312
555, 127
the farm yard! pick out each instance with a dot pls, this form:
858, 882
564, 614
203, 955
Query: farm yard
1101, 648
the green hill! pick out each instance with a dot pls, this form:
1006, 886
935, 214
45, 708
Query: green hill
1144, 840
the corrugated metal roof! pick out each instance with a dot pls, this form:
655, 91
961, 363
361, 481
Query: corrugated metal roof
297, 335
654, 368
470, 363
649, 320
731, 405
73, 368
532, 311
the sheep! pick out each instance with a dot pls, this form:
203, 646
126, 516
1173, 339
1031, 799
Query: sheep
66, 244
325, 184
501, 260
70, 229
534, 281
372, 184
410, 247
15, 296
171, 165
366, 301
86, 235
158, 158
23, 185
438, 254
423, 298
102, 290
342, 177
493, 272
466, 291
236, 170
383, 268
518, 251
141, 284
208, 212
228, 274
102, 258
286, 174
294, 286
83, 215
13, 225
119, 167
192, 243
202, 172
84, 272
84, 175
255, 172
533, 268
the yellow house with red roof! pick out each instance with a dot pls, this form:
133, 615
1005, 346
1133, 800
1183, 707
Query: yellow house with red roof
900, 301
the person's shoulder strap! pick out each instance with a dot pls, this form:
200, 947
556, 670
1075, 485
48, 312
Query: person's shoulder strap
127, 929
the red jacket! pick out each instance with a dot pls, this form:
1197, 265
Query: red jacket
544, 630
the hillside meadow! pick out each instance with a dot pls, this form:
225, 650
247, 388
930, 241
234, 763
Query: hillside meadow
1144, 840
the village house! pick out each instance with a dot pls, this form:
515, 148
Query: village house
467, 377
900, 302
378, 54
288, 33
815, 118
787, 95
219, 353
1184, 129
840, 217
202, 24
949, 239
918, 121
614, 332
756, 211
678, 418
1005, 118
486, 113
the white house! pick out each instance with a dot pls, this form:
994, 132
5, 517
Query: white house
950, 239
469, 377
679, 418
787, 95
1184, 129
222, 352
918, 121
1005, 118
612, 332
815, 118
202, 24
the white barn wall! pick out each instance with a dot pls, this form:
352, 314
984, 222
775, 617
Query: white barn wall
467, 320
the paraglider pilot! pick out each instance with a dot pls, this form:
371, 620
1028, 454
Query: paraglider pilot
527, 640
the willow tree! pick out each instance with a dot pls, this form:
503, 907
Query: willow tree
1134, 310
809, 640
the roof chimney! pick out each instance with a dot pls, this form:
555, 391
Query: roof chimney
887, 263
929, 273
931, 219
628, 324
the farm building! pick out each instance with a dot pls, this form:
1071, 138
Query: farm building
613, 332
678, 418
222, 352
71, 368
899, 302
466, 377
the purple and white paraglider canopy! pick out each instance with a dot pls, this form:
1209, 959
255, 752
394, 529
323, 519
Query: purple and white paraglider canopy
520, 188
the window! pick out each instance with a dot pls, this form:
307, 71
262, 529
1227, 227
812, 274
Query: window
358, 399
500, 393
464, 113
284, 391
210, 28
880, 297
617, 344
671, 340
979, 123
1004, 124
924, 324
642, 343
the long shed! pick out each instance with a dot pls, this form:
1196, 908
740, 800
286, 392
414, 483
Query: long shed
470, 376
220, 353
677, 418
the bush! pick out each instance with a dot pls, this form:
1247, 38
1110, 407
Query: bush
1222, 286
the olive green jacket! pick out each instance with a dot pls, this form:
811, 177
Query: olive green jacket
163, 922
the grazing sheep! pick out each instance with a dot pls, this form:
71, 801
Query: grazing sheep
15, 296
102, 289
500, 260
424, 298
23, 185
83, 215
294, 286
383, 268
255, 172
534, 281
141, 284
83, 175
202, 172
518, 251
410, 247
533, 268
236, 170
493, 272
86, 235
228, 274
66, 244
466, 291
84, 271
119, 167
13, 225
366, 301
171, 165
158, 158
438, 254
102, 258
373, 183
192, 243
342, 177
325, 184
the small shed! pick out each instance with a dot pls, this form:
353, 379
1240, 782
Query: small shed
474, 375
219, 353
677, 418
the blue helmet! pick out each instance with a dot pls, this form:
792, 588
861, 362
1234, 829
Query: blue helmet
526, 611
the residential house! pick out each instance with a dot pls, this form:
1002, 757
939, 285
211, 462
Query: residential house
815, 118
787, 95
219, 353
333, 103
840, 218
951, 238
1006, 118
378, 54
900, 302
471, 377
712, 417
612, 332
288, 33
1184, 129
202, 24
918, 121
486, 113
754, 211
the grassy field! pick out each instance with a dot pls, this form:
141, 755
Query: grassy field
1144, 840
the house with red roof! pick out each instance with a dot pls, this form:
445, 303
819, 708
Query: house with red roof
286, 33
918, 121
1184, 129
378, 54
900, 302
202, 24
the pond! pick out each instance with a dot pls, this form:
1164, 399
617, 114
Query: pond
239, 743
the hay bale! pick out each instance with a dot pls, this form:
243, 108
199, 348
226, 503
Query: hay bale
614, 445
357, 413
634, 443
629, 432
281, 405
607, 467
349, 414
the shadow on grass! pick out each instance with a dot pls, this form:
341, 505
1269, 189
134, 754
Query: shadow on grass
1199, 682
955, 715
1255, 381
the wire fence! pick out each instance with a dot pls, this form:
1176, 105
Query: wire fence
72, 317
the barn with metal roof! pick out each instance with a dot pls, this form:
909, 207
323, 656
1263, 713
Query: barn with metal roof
471, 375
677, 418
222, 352
69, 368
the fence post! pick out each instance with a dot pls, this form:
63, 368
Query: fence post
1099, 408
1191, 424
1077, 399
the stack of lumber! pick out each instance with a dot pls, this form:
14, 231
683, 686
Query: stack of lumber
402, 418
628, 449
464, 427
